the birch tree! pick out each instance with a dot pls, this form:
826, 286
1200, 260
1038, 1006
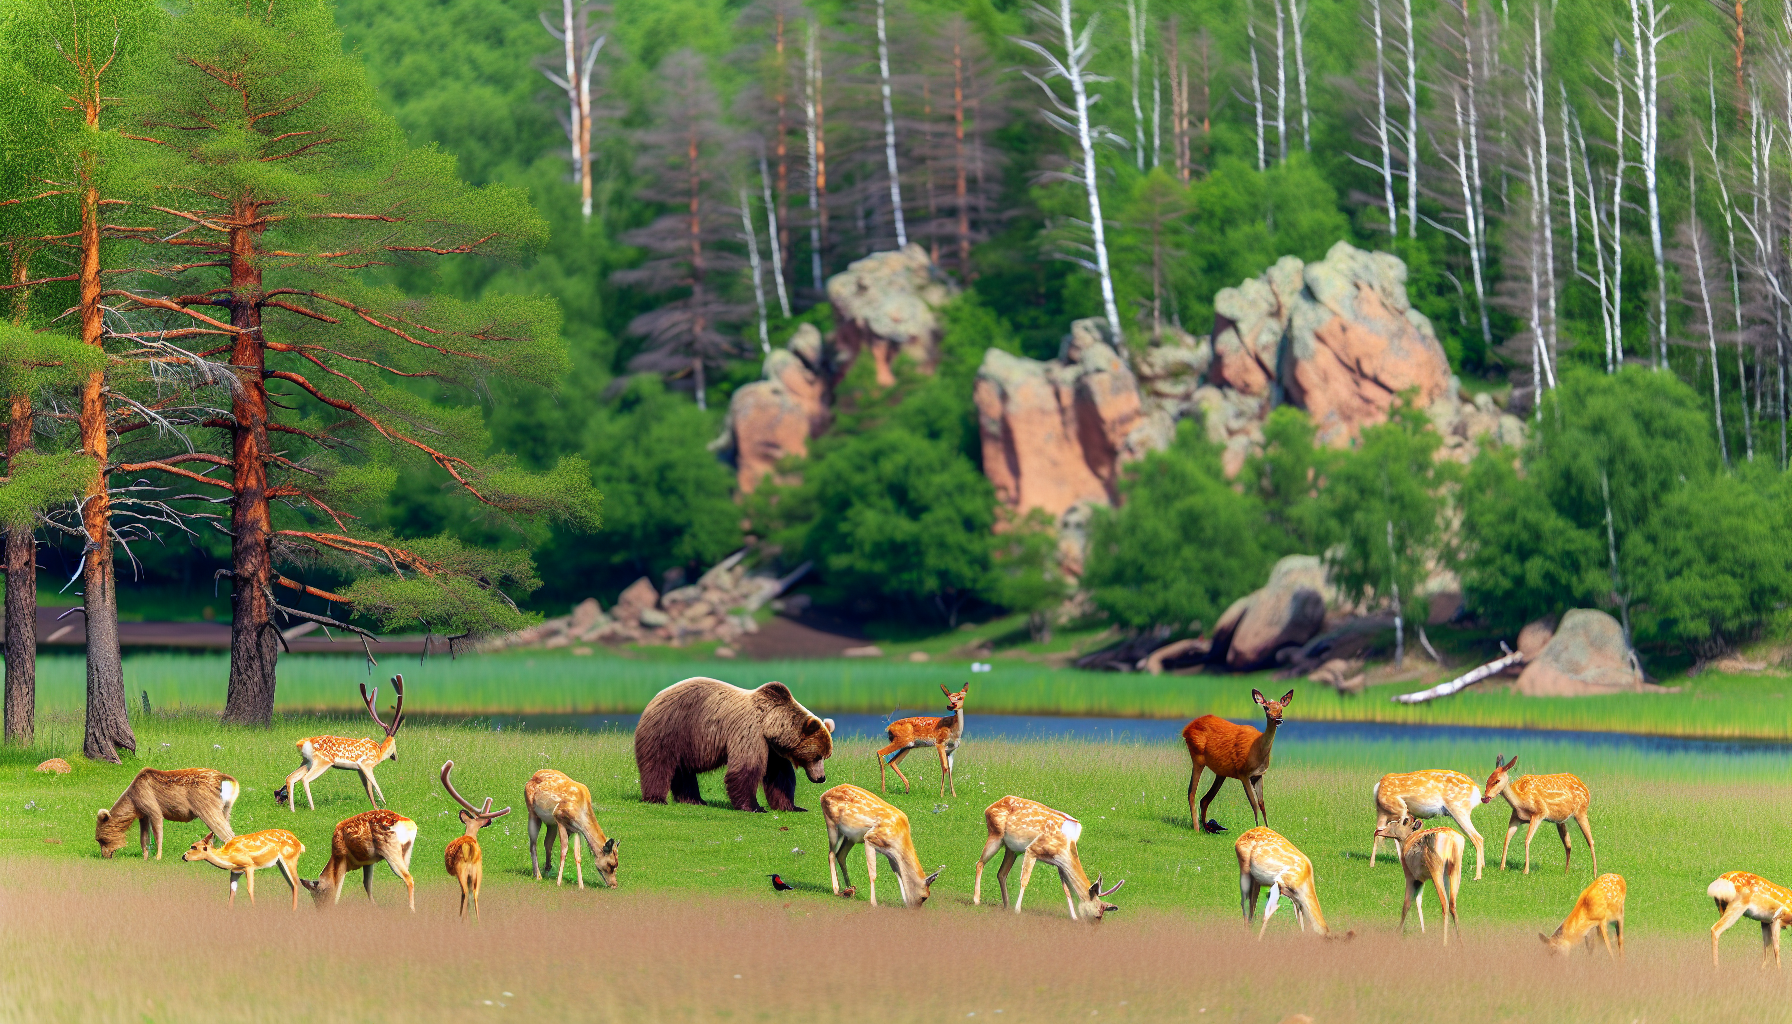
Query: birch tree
883, 70
580, 45
1135, 37
1384, 140
1697, 257
815, 115
1256, 101
1646, 38
1297, 20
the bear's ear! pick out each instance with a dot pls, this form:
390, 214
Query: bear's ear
828, 724
776, 691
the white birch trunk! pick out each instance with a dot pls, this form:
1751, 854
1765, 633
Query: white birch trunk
1399, 614
1470, 199
1250, 30
1568, 176
752, 239
771, 223
1549, 242
1136, 38
1698, 259
1540, 371
1298, 18
883, 70
1615, 359
576, 113
1594, 223
1281, 83
1157, 106
810, 74
1412, 124
1474, 157
1648, 83
1381, 121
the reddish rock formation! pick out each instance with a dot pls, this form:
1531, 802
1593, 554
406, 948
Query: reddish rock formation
771, 419
1249, 322
885, 302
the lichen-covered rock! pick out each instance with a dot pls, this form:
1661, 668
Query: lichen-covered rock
1249, 323
1287, 612
774, 418
1586, 657
885, 303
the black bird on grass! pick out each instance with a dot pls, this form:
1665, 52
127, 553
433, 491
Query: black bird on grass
781, 885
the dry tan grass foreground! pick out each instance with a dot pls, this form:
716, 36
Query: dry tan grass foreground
82, 942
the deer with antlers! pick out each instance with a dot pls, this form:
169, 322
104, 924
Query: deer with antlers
319, 754
942, 734
554, 796
363, 841
1266, 860
1536, 799
462, 858
1035, 833
245, 855
1232, 751
1428, 854
1427, 794
1600, 904
1739, 894
855, 815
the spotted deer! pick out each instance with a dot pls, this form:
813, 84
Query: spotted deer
1266, 860
855, 815
363, 841
463, 858
942, 734
1739, 894
1428, 854
1233, 751
245, 855
1428, 794
1035, 833
1539, 798
553, 796
319, 754
154, 796
1600, 904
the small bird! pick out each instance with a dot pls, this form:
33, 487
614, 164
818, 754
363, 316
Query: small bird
781, 885
1213, 827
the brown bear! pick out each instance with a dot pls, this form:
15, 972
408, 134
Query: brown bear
700, 724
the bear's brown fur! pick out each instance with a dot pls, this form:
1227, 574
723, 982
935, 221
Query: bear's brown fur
762, 735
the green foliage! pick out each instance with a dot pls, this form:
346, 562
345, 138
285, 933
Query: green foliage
1518, 557
35, 482
1289, 474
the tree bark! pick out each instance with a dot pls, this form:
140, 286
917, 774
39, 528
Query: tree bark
883, 67
961, 189
21, 568
254, 640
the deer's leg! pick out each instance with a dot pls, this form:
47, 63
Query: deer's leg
534, 834
367, 881
1207, 801
1069, 900
1468, 828
250, 873
560, 833
157, 825
1618, 926
1026, 875
945, 771
1247, 895
1511, 830
367, 784
1256, 785
871, 869
1586, 831
1413, 888
578, 856
292, 787
290, 870
143, 836
1008, 858
313, 772
400, 866
377, 791
475, 895
1606, 937
1381, 820
1453, 876
1529, 834
896, 766
234, 877
989, 850
1567, 845
1194, 786
1731, 914
1770, 939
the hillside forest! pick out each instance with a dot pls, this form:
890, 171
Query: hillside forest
423, 314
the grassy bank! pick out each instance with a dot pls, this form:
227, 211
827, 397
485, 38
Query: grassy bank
1709, 705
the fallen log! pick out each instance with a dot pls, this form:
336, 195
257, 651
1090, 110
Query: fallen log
1464, 681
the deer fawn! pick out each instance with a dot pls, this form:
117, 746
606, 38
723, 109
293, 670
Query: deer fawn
462, 857
855, 815
553, 796
1232, 752
1600, 904
362, 842
1034, 832
942, 734
1428, 853
244, 855
1427, 794
1739, 894
319, 754
154, 796
1537, 799
1267, 859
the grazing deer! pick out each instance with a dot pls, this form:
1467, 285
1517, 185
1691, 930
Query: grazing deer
1600, 904
362, 842
1537, 799
1233, 752
319, 754
1034, 832
855, 815
1428, 794
1433, 854
462, 858
1267, 859
244, 855
1739, 894
154, 796
552, 796
942, 734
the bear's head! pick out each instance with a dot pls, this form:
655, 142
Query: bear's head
794, 732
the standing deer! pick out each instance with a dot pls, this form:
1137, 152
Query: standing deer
362, 842
1267, 859
1034, 832
1433, 854
1537, 799
462, 858
1232, 751
245, 855
855, 815
553, 796
319, 754
1600, 904
154, 796
1739, 894
1428, 794
942, 734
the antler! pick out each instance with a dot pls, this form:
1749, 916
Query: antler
486, 812
369, 700
1099, 891
397, 709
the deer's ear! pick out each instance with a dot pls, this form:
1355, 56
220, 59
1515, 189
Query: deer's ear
1497, 758
929, 879
610, 846
1257, 695
944, 690
105, 814
1287, 698
1512, 763
1543, 938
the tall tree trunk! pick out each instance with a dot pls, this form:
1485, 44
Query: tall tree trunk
1642, 27
1549, 238
21, 568
781, 244
1086, 140
883, 68
1281, 83
1178, 113
961, 186
772, 231
1250, 29
812, 132
1412, 125
254, 638
1135, 37
752, 240
1698, 255
1382, 138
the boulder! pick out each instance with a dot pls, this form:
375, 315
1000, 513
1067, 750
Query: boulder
1585, 657
637, 598
885, 303
1535, 636
1249, 323
1227, 624
1288, 611
774, 417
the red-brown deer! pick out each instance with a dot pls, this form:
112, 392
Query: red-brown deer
1539, 798
1428, 794
1265, 859
855, 815
319, 754
463, 858
1428, 854
1600, 904
363, 841
1232, 751
245, 855
1739, 894
553, 796
155, 795
1030, 830
942, 734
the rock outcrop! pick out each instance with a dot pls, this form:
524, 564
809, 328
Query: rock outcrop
1287, 612
773, 418
885, 303
1586, 657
